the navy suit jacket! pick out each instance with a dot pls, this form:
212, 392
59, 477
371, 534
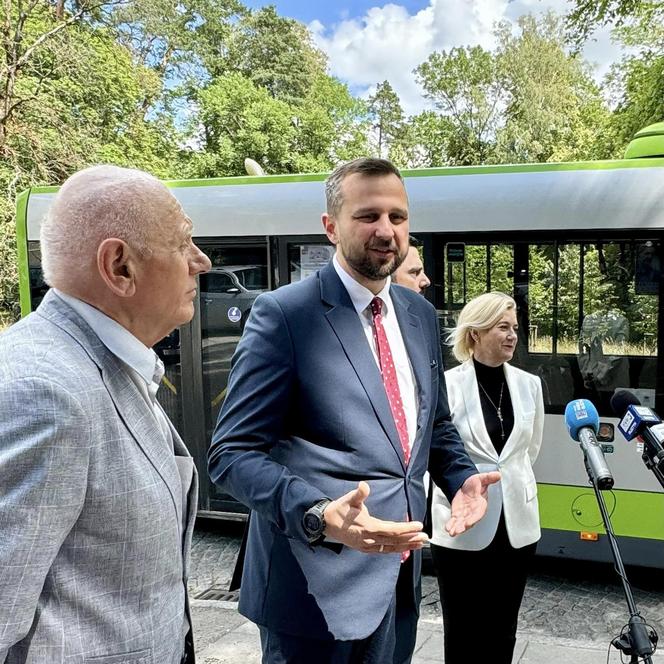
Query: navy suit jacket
306, 417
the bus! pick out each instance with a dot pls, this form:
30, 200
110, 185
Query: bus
578, 245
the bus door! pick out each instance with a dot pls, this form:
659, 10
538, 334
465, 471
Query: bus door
240, 273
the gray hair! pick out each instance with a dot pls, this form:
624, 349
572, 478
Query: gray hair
481, 313
95, 204
366, 166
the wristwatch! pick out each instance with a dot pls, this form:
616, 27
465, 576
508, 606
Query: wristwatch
313, 521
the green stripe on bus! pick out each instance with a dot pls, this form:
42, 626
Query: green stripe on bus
574, 508
413, 173
22, 249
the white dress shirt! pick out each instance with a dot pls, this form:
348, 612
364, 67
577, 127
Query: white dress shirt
361, 298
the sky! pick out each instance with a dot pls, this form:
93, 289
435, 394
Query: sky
369, 41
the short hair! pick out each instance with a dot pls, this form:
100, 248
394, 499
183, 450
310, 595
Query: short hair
94, 204
481, 313
414, 242
370, 167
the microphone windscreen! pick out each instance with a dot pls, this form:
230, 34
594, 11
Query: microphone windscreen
581, 413
620, 401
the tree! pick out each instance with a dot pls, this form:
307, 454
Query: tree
464, 86
388, 121
274, 52
637, 81
331, 126
241, 119
75, 98
175, 39
430, 136
554, 111
587, 15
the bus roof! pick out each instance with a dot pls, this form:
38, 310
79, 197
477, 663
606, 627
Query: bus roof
574, 196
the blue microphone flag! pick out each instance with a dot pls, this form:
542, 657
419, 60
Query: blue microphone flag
580, 413
635, 417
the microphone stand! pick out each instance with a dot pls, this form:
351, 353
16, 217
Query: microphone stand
638, 641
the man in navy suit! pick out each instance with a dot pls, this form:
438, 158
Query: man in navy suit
336, 406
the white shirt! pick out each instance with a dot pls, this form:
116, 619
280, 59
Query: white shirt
361, 298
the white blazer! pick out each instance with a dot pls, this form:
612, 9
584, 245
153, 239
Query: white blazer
516, 493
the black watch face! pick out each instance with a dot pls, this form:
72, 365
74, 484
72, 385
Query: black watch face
311, 522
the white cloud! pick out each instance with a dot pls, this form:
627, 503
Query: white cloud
388, 42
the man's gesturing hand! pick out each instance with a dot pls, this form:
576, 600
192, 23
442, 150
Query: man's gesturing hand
469, 503
348, 521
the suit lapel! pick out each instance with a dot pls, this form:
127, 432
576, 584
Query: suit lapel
130, 404
416, 348
142, 424
346, 325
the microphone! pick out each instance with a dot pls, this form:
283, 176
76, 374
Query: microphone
638, 420
582, 423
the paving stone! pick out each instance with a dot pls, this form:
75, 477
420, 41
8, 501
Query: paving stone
577, 604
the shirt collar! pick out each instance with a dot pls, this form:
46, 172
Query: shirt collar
119, 340
360, 296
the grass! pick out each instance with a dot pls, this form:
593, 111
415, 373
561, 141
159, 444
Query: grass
570, 346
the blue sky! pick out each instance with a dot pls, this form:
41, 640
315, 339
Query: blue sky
369, 41
329, 13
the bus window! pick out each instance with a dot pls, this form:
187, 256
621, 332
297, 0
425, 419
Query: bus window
227, 292
484, 267
590, 332
501, 270
305, 259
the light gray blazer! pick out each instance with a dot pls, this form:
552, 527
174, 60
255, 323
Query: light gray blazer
93, 561
516, 493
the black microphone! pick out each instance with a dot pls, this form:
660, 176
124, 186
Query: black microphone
638, 420
582, 423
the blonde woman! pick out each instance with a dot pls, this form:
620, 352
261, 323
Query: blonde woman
499, 413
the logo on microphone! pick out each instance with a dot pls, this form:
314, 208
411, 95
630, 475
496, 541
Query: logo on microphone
579, 408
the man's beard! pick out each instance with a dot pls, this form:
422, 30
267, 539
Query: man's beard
363, 264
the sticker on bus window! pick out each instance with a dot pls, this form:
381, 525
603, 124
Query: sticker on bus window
313, 257
234, 315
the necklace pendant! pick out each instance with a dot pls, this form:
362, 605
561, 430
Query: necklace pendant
500, 414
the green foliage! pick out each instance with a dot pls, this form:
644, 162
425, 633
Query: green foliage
637, 81
464, 86
387, 118
274, 52
587, 15
241, 119
554, 110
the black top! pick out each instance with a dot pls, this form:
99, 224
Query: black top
490, 382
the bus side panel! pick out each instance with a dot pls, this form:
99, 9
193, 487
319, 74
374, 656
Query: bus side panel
22, 249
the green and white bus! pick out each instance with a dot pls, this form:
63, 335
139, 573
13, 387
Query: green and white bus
579, 246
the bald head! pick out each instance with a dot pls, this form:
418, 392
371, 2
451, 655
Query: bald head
93, 205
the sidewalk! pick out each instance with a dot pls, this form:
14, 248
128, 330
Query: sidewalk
223, 636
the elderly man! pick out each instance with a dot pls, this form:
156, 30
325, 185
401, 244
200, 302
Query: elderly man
336, 398
410, 273
98, 492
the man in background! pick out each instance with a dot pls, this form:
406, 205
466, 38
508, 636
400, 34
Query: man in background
410, 273
98, 490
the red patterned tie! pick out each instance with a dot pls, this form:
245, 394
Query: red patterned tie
389, 374
391, 383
